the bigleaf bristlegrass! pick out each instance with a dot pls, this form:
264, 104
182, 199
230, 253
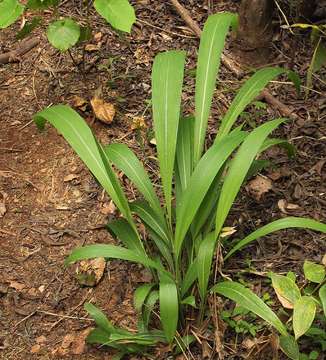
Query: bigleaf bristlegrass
198, 188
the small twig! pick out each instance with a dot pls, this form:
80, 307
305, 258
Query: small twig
23, 48
11, 150
25, 318
184, 13
70, 312
64, 316
164, 30
23, 127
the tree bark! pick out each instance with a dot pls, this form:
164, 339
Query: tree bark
255, 28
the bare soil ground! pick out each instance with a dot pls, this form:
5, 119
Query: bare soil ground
53, 204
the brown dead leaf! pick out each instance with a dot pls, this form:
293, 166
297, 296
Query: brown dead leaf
166, 37
108, 208
70, 177
248, 343
90, 272
318, 167
206, 350
142, 56
3, 208
41, 339
35, 348
283, 205
63, 349
79, 344
79, 102
98, 36
138, 123
259, 186
227, 231
153, 141
103, 111
17, 286
92, 47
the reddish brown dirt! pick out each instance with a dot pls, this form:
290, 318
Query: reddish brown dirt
46, 216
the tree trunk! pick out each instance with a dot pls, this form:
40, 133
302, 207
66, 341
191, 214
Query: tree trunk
255, 29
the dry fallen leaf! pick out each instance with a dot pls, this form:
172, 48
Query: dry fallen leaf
63, 349
79, 102
283, 205
108, 208
142, 56
152, 141
98, 36
41, 339
259, 186
16, 285
70, 177
92, 47
79, 345
90, 272
227, 231
3, 208
35, 348
138, 123
103, 111
248, 343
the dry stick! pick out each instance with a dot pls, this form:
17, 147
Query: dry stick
230, 64
23, 48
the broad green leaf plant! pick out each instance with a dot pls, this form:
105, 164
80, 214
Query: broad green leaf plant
199, 186
308, 307
64, 33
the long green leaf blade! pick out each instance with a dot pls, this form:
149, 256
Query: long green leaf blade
111, 252
204, 262
169, 306
250, 301
185, 150
140, 296
167, 79
200, 182
248, 92
209, 58
286, 223
148, 307
121, 229
125, 160
239, 168
99, 317
151, 219
189, 278
81, 139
